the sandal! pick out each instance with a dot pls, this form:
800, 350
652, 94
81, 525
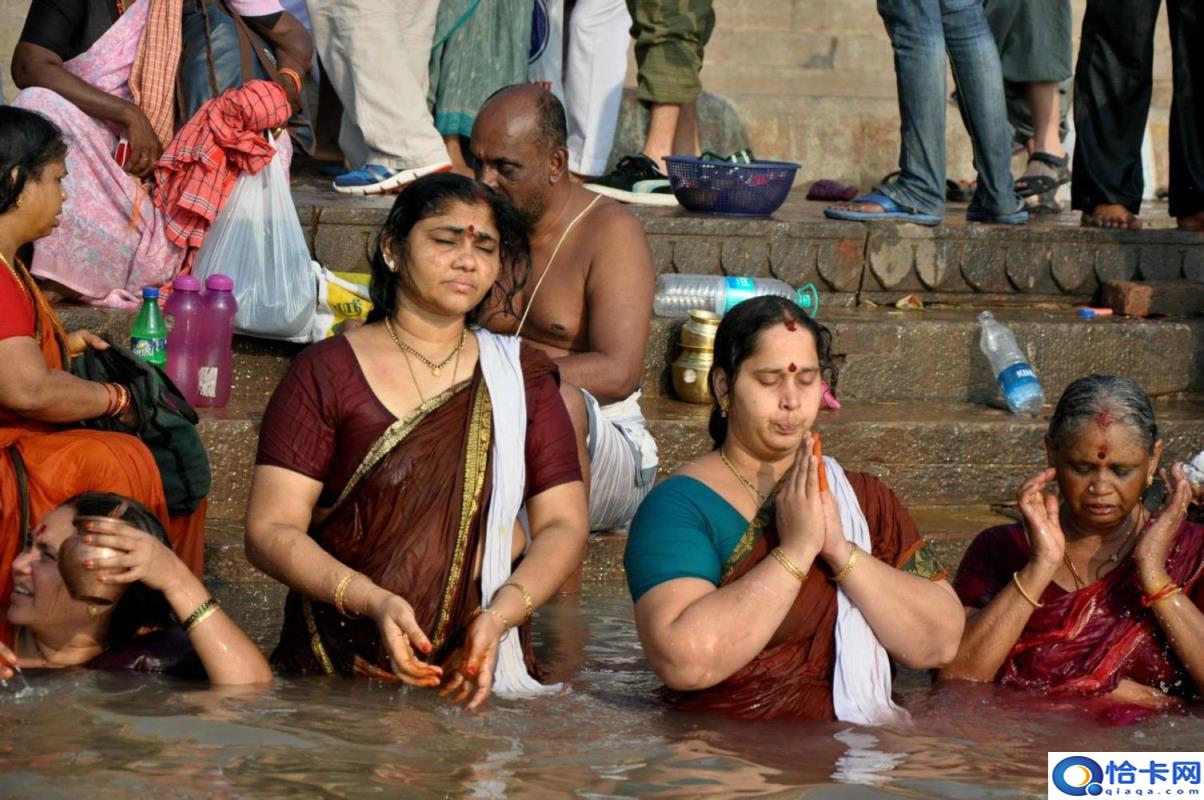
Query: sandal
891, 211
1031, 185
1017, 217
955, 191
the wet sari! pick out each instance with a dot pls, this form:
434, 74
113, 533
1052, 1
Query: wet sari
792, 678
412, 518
42, 465
1085, 642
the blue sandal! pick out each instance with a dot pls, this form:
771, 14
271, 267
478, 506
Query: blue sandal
1017, 217
891, 212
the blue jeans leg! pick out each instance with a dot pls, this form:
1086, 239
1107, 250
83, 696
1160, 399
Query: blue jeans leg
917, 36
980, 94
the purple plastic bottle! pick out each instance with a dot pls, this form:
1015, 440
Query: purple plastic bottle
215, 369
183, 314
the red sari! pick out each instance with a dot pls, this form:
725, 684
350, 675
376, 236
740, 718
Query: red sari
42, 465
1086, 642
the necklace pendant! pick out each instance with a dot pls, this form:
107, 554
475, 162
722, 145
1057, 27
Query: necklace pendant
436, 371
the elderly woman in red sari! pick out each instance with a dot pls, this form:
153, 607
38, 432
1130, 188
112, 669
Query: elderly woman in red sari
395, 460
44, 458
1092, 594
760, 590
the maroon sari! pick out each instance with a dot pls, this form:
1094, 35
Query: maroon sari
792, 677
411, 518
1086, 642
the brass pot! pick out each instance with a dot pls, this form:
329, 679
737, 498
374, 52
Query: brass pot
699, 331
690, 373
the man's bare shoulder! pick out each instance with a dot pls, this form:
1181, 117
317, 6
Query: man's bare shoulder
614, 217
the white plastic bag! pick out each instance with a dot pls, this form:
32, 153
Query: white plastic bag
257, 240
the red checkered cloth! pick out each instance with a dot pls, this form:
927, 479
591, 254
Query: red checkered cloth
195, 176
153, 76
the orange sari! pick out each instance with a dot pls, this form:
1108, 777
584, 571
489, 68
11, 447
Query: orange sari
54, 463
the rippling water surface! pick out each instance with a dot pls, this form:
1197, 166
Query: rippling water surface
94, 735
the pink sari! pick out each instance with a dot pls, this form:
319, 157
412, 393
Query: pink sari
111, 240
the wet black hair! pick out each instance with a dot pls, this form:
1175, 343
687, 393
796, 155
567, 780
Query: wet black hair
432, 195
29, 142
139, 606
737, 338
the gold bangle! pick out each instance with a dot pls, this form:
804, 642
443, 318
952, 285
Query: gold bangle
340, 592
487, 610
788, 564
847, 568
202, 613
1024, 594
528, 603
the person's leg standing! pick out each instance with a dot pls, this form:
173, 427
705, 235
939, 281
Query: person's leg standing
979, 77
1113, 84
915, 31
1187, 113
593, 80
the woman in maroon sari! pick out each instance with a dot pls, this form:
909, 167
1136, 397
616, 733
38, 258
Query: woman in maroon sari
394, 459
1092, 595
763, 590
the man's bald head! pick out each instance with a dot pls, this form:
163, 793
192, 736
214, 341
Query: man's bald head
530, 104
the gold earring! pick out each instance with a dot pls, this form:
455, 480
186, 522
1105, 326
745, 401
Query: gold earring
20, 200
93, 611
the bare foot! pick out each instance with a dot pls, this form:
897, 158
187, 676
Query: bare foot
864, 208
1193, 223
1112, 216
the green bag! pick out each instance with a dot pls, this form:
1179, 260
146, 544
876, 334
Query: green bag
166, 422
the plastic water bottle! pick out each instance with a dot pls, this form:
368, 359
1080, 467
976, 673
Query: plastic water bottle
678, 295
215, 363
1013, 373
148, 336
183, 314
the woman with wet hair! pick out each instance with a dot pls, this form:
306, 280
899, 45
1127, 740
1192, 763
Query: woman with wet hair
768, 582
1095, 593
394, 461
45, 457
99, 587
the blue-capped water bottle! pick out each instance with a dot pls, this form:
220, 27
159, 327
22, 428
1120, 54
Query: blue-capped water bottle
677, 294
1015, 376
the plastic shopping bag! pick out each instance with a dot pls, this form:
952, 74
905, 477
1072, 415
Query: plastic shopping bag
341, 296
257, 240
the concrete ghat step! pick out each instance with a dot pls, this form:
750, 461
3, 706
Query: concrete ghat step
929, 453
947, 529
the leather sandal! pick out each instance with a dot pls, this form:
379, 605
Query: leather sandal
1031, 185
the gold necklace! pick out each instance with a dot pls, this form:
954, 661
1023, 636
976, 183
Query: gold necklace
436, 369
1113, 559
747, 483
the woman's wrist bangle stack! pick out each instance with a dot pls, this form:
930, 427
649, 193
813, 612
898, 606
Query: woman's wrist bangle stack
788, 564
1170, 590
848, 567
340, 593
293, 75
1024, 594
203, 612
120, 399
528, 603
496, 614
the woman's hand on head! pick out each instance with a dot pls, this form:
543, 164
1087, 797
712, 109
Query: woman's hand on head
139, 557
470, 668
1041, 520
400, 633
801, 520
81, 340
1155, 543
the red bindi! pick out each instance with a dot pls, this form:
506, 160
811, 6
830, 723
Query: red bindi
471, 232
793, 367
1103, 451
791, 326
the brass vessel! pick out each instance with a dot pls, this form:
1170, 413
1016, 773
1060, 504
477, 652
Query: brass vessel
692, 367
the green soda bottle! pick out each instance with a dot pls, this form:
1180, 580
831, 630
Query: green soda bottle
148, 337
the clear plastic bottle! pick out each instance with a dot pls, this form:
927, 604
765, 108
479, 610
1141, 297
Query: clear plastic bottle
215, 363
182, 311
1015, 376
148, 335
677, 295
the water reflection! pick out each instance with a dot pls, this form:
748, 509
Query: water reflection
100, 734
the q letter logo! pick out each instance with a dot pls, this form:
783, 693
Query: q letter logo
1078, 776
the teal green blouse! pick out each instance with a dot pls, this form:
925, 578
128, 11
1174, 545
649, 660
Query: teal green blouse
683, 529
